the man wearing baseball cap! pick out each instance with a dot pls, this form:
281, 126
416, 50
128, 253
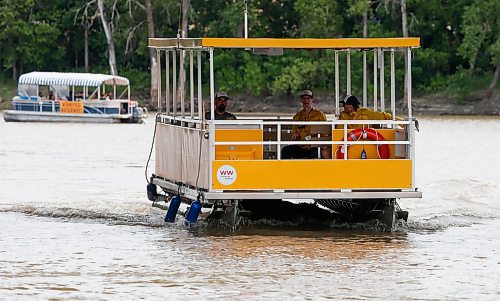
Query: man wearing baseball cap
352, 111
220, 113
303, 132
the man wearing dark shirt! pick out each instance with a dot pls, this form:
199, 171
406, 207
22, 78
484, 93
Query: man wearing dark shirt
220, 108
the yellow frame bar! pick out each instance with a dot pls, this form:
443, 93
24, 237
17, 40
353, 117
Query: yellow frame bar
310, 43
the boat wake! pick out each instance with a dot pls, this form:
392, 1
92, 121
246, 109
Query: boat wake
151, 219
423, 218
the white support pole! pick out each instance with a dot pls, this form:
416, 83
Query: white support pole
348, 56
167, 81
393, 86
191, 84
382, 80
246, 19
200, 104
212, 115
409, 82
278, 138
158, 87
174, 82
411, 131
364, 80
375, 75
337, 100
212, 85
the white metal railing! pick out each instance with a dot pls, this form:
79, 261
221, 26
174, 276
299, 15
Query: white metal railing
261, 124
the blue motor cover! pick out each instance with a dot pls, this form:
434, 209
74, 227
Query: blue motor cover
173, 207
194, 212
152, 194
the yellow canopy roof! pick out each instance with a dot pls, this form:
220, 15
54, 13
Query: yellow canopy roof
359, 43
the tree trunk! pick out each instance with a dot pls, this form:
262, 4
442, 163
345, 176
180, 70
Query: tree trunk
14, 70
109, 38
182, 73
184, 23
152, 54
404, 26
365, 23
494, 81
86, 45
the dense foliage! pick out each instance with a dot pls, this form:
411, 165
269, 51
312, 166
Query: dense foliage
459, 38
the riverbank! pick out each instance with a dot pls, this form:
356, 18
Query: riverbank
437, 104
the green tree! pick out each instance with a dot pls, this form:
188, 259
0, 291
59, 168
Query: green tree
296, 76
22, 30
481, 29
318, 19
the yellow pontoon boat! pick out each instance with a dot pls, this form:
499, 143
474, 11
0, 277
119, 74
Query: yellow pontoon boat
233, 168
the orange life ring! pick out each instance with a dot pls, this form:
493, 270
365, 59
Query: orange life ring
371, 134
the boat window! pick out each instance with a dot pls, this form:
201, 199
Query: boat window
27, 90
61, 91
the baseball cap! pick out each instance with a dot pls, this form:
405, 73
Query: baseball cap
350, 100
306, 93
221, 94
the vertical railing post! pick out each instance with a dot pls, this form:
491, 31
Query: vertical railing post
200, 104
364, 80
348, 58
212, 115
345, 141
174, 82
409, 96
393, 86
382, 80
278, 138
158, 74
191, 84
375, 75
167, 82
182, 79
212, 84
337, 100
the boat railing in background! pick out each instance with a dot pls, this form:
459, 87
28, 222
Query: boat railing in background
36, 105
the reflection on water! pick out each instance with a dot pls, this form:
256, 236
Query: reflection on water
75, 224
333, 244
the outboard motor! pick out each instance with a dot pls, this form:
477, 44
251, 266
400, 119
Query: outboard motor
152, 193
193, 212
137, 113
173, 207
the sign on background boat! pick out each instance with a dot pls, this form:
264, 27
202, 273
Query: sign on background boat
74, 97
233, 168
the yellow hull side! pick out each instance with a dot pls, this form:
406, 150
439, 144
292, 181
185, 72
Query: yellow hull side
313, 174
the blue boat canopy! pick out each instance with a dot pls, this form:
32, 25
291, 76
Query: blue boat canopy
72, 79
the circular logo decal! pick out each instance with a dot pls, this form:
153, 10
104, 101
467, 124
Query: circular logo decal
226, 175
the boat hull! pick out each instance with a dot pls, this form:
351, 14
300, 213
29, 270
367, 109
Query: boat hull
26, 116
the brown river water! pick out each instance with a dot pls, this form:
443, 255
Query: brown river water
75, 223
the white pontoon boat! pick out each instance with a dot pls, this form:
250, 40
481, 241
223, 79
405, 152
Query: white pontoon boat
74, 97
